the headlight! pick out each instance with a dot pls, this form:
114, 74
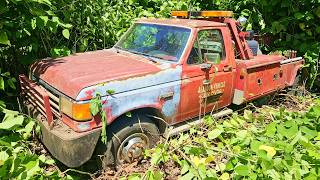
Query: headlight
78, 112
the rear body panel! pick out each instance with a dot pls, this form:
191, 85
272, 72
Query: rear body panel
263, 75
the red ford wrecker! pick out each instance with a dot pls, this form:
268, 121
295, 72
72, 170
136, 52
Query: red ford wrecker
162, 72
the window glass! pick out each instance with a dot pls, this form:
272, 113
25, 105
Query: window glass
208, 42
160, 41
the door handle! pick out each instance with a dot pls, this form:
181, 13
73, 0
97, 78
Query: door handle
167, 96
227, 68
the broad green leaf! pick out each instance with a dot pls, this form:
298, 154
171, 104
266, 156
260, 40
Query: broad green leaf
3, 157
134, 176
273, 174
202, 171
187, 176
185, 167
4, 38
314, 153
271, 151
309, 133
29, 127
298, 15
225, 176
255, 145
8, 124
209, 159
288, 132
242, 134
242, 170
220, 167
248, 115
95, 105
44, 18
66, 33
42, 158
271, 129
214, 133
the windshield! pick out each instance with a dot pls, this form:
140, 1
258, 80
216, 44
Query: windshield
160, 41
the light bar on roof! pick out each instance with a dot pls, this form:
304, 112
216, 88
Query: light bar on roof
202, 13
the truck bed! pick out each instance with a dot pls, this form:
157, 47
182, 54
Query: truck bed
263, 75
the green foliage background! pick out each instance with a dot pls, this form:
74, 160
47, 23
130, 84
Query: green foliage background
33, 29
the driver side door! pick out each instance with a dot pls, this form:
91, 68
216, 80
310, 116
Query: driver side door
203, 91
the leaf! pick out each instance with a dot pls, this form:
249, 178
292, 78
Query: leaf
33, 23
1, 83
95, 105
302, 26
214, 133
4, 38
128, 114
298, 15
185, 167
8, 124
66, 33
134, 177
317, 11
309, 133
225, 176
42, 158
270, 150
187, 176
271, 129
242, 170
44, 18
110, 92
209, 159
248, 115
3, 157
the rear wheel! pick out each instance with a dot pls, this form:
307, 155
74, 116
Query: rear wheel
128, 137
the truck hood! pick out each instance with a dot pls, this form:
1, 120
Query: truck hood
71, 74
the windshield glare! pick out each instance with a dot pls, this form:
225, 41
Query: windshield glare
160, 41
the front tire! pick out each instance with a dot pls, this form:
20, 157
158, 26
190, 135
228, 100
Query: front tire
127, 139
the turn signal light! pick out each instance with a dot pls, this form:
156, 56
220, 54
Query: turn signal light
78, 112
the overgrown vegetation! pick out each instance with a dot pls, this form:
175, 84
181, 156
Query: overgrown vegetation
271, 143
18, 158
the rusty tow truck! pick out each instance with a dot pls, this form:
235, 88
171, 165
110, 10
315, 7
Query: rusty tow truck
164, 72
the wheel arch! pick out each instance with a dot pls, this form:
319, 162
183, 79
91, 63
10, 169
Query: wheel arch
154, 114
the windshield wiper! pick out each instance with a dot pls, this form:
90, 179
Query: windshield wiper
148, 56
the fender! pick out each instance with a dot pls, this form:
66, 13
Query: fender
160, 91
292, 78
164, 97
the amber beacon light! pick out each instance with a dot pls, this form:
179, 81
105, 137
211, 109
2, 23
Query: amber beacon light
202, 13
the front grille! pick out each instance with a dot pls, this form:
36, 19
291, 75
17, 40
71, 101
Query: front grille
36, 96
54, 103
42, 97
53, 98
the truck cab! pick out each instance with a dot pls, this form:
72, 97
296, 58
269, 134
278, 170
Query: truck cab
162, 72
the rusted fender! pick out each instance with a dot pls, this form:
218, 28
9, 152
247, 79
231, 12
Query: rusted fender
159, 90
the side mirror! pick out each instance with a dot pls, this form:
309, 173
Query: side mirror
205, 66
212, 57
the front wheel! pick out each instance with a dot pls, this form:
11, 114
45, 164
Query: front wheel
128, 137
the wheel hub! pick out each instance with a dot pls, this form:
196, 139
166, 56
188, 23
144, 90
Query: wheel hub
131, 149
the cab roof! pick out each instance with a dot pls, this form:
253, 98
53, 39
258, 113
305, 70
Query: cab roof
190, 23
